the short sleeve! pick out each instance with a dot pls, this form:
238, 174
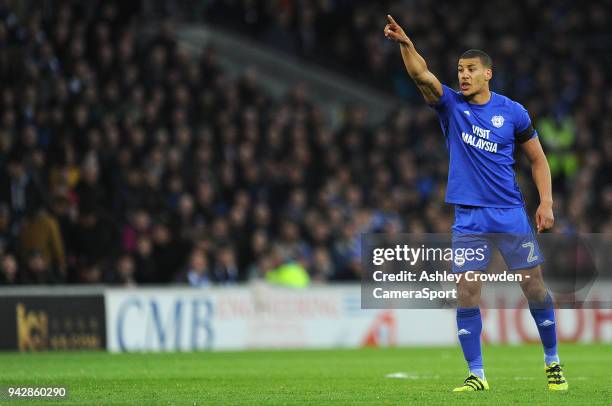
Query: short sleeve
447, 99
523, 129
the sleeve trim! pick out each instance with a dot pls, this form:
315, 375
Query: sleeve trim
525, 135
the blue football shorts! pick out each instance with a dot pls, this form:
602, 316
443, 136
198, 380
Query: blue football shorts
487, 228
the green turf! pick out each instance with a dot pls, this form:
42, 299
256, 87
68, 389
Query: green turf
312, 377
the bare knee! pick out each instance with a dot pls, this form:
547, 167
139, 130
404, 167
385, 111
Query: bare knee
532, 284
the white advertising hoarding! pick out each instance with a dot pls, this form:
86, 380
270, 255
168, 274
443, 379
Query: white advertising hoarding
260, 316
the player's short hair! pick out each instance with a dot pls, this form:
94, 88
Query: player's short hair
485, 59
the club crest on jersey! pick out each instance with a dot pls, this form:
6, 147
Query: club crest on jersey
497, 121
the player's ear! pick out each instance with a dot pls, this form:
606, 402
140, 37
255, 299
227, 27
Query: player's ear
488, 73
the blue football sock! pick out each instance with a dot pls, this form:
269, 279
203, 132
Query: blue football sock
478, 372
469, 327
544, 316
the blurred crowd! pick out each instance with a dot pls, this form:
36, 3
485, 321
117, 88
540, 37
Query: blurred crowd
124, 160
552, 56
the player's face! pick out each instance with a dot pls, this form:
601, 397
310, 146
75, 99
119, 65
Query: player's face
473, 76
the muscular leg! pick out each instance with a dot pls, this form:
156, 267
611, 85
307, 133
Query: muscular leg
542, 311
469, 324
532, 285
468, 292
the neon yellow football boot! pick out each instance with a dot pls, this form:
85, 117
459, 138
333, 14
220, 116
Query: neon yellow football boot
472, 383
556, 380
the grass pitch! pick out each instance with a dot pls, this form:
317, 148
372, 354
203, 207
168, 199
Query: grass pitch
424, 376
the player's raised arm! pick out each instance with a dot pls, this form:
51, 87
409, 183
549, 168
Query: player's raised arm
429, 86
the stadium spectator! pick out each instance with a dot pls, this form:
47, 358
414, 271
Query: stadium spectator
146, 270
6, 235
40, 233
124, 272
36, 270
94, 244
8, 270
168, 254
322, 267
282, 271
226, 269
17, 186
197, 273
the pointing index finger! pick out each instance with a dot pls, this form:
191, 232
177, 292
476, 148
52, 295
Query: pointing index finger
391, 20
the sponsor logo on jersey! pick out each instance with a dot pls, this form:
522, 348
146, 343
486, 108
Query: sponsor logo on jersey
497, 121
479, 139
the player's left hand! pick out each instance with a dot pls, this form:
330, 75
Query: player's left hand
544, 217
394, 32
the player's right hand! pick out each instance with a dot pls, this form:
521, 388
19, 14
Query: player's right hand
394, 32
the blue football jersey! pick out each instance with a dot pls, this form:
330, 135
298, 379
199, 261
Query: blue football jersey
481, 139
